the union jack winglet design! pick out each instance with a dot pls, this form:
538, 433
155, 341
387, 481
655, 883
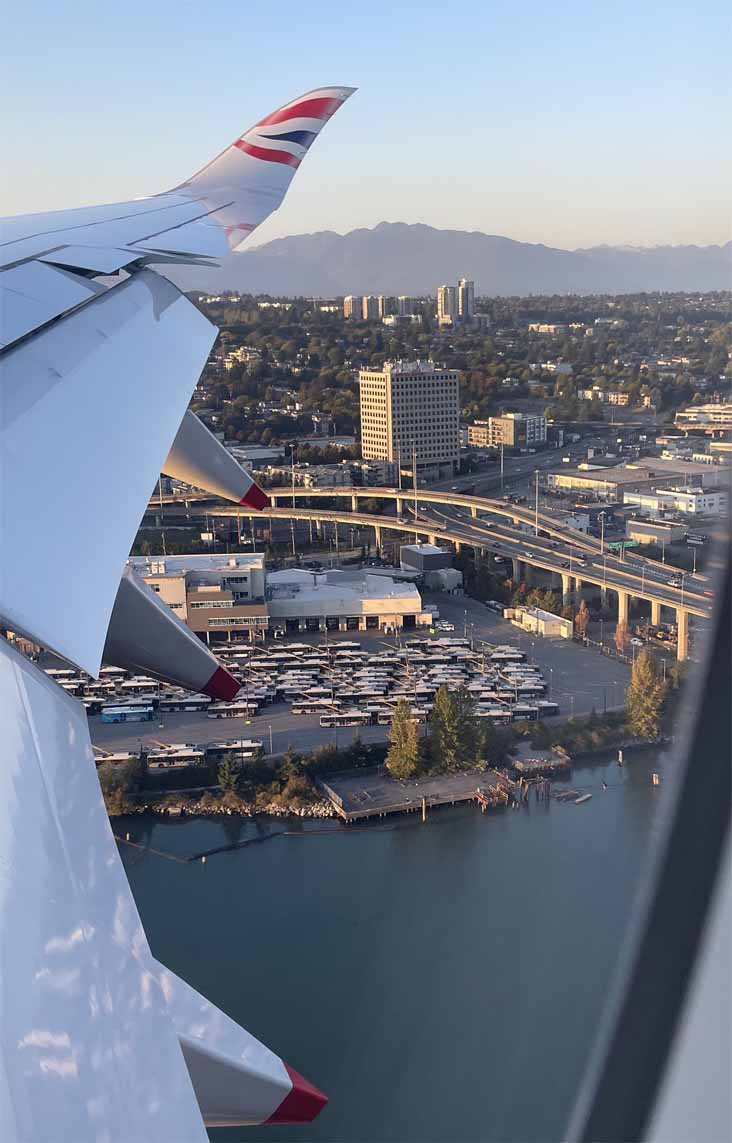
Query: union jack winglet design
253, 174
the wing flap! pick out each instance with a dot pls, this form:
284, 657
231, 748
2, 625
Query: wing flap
31, 295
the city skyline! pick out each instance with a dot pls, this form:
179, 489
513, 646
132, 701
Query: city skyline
574, 131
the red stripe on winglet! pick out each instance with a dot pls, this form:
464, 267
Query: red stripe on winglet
222, 685
255, 498
320, 108
270, 156
302, 1104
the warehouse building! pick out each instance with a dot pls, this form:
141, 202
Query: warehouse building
223, 598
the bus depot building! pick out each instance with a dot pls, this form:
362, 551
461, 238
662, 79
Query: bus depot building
229, 597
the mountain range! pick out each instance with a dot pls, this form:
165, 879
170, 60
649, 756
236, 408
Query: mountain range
399, 258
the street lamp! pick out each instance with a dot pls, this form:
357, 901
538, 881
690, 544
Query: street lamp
536, 508
601, 517
270, 740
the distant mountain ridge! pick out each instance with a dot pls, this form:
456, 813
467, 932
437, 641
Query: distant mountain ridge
403, 258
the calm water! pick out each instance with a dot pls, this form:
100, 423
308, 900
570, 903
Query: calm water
440, 982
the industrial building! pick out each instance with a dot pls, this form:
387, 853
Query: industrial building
434, 565
645, 475
299, 601
686, 502
411, 408
226, 597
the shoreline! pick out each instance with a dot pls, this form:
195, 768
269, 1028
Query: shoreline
169, 805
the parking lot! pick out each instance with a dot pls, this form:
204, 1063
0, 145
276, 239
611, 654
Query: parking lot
577, 678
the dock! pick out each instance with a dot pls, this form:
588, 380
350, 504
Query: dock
363, 794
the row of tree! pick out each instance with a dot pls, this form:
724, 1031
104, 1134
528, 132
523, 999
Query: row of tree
457, 739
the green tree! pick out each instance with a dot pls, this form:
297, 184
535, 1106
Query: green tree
469, 732
445, 746
228, 776
402, 760
644, 697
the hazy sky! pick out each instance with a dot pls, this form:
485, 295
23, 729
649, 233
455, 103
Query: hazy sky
566, 123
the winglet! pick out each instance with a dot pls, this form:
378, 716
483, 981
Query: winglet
247, 181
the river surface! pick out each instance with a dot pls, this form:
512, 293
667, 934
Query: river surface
440, 982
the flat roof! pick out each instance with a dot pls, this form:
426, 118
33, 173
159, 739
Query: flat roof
296, 583
179, 565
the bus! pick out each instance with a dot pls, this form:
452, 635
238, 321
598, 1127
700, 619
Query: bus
345, 718
130, 712
311, 706
244, 748
174, 704
232, 710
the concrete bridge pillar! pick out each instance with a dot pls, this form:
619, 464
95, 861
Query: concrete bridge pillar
623, 599
400, 505
354, 503
655, 613
515, 569
433, 540
377, 535
682, 626
458, 546
566, 588
474, 511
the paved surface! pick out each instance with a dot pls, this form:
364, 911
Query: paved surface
366, 795
578, 678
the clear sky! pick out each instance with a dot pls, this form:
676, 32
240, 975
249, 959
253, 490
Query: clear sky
570, 123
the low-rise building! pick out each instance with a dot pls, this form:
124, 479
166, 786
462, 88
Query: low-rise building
540, 622
341, 601
217, 596
713, 419
687, 502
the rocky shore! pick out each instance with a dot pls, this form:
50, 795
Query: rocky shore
177, 806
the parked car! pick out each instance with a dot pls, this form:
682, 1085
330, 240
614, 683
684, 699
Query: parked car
443, 626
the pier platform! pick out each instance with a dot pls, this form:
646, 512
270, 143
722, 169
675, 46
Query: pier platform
374, 793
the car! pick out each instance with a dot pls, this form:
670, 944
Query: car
675, 581
636, 642
443, 626
565, 564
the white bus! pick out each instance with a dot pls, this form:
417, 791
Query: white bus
345, 718
232, 710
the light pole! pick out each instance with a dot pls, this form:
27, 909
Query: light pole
693, 554
683, 573
551, 681
602, 531
270, 740
536, 505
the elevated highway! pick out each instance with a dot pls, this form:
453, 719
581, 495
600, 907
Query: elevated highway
571, 556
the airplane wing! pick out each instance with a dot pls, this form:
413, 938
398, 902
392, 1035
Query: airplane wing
99, 354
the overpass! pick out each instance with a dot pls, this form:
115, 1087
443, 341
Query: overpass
573, 557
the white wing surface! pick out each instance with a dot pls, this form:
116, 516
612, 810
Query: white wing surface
99, 354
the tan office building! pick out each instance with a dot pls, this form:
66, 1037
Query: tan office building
411, 405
